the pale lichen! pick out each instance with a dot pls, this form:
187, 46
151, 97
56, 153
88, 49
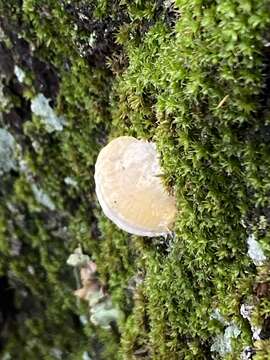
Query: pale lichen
83, 319
77, 259
40, 106
247, 353
216, 314
42, 198
4, 100
255, 251
20, 74
7, 152
223, 343
69, 181
246, 311
86, 356
104, 313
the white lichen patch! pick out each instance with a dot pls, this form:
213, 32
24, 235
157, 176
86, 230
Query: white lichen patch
40, 106
247, 353
216, 314
31, 269
103, 313
169, 3
83, 319
223, 343
256, 332
78, 258
20, 74
36, 145
92, 39
7, 152
86, 356
262, 224
246, 311
4, 101
42, 198
69, 181
255, 251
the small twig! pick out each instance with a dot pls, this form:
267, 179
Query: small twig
222, 102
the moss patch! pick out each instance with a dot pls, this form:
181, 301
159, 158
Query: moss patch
191, 76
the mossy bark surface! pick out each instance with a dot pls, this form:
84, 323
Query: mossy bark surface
190, 75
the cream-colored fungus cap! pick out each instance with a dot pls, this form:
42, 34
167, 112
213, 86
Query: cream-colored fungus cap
129, 187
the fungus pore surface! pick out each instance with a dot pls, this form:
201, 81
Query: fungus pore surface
130, 190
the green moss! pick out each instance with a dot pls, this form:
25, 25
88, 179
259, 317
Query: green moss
190, 76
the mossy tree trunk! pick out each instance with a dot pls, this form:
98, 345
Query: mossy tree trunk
193, 76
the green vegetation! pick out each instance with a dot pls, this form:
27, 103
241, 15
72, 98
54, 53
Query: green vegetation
191, 75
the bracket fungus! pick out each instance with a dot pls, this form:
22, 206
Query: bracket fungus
129, 187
